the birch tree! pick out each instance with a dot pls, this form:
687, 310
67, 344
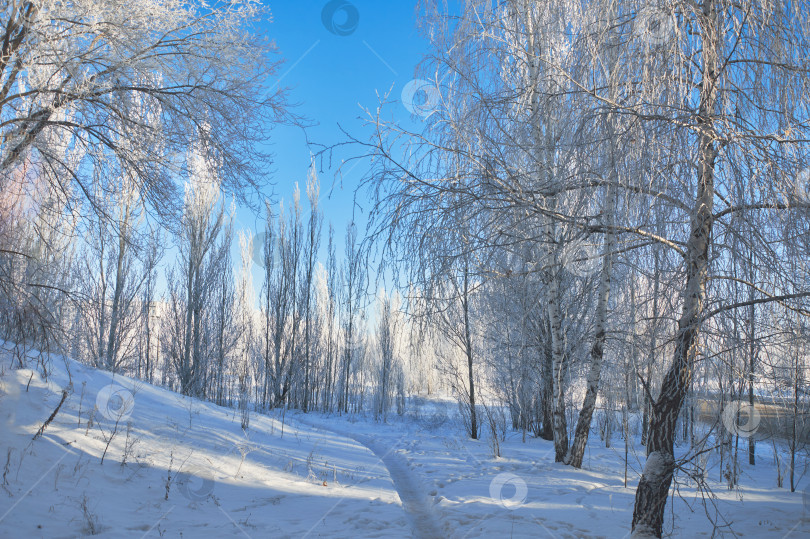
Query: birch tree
732, 46
710, 95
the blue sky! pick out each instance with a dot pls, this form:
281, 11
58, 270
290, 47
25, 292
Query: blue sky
338, 56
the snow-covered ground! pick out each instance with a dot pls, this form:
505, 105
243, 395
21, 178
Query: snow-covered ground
191, 471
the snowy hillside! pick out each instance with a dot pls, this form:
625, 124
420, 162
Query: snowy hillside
178, 467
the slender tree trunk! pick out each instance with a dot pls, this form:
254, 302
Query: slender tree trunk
577, 450
330, 354
308, 321
794, 441
653, 487
196, 358
267, 342
221, 331
347, 365
148, 328
468, 349
547, 402
628, 377
583, 428
544, 144
751, 364
559, 426
313, 188
116, 305
645, 422
185, 370
102, 309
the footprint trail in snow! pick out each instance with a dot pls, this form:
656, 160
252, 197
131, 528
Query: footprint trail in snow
415, 501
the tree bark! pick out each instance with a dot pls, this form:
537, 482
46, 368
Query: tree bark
577, 450
653, 487
752, 351
583, 428
547, 433
468, 349
559, 426
112, 339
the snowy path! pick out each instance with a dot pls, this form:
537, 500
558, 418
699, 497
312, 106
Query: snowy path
415, 501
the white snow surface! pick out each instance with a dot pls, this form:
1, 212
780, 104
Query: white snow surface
325, 476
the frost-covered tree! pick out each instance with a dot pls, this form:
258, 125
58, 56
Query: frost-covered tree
139, 79
241, 373
674, 131
120, 254
204, 238
313, 242
37, 261
389, 352
99, 85
353, 289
